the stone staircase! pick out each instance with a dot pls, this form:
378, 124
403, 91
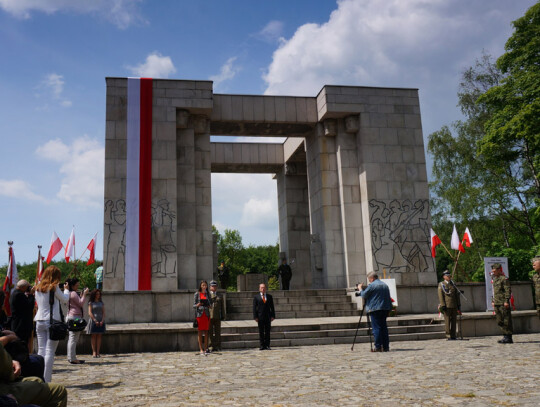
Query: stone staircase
321, 303
307, 331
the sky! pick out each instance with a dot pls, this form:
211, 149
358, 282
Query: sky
56, 54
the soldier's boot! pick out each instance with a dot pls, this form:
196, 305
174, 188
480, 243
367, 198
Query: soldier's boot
506, 339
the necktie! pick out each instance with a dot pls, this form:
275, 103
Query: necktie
264, 298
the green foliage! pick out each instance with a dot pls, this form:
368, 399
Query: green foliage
83, 272
243, 260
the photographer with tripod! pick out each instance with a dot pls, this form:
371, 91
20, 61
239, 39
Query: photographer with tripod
378, 304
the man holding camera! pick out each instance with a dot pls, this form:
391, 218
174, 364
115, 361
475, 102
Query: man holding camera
378, 304
449, 304
22, 309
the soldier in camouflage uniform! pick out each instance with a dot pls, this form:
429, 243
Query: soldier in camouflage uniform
501, 302
449, 304
217, 314
536, 282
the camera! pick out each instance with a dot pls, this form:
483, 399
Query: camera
29, 289
356, 287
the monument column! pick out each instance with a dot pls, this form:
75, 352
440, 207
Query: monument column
294, 222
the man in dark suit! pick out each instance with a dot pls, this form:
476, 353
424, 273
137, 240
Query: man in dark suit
264, 313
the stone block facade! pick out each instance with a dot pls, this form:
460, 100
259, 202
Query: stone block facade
351, 181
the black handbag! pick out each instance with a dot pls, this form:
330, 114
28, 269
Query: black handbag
58, 329
76, 324
195, 323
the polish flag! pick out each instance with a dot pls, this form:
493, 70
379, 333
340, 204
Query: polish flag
39, 268
467, 237
138, 266
12, 277
92, 248
456, 243
435, 241
70, 246
56, 246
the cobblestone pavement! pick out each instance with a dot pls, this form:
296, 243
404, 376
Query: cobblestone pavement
474, 372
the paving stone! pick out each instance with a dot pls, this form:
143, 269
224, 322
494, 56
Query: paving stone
474, 372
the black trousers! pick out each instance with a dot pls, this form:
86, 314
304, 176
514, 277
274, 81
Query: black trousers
264, 333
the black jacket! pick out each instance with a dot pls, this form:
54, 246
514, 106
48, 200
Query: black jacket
261, 310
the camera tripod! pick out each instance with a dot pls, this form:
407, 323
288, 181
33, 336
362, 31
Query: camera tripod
358, 327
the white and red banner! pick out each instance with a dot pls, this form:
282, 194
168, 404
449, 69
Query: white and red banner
39, 268
12, 277
56, 246
455, 244
92, 248
70, 246
138, 271
467, 237
435, 241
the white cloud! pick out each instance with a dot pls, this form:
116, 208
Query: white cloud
155, 66
82, 169
53, 90
271, 32
385, 43
227, 72
259, 213
122, 13
18, 189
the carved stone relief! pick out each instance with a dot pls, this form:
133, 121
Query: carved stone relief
400, 235
163, 242
114, 237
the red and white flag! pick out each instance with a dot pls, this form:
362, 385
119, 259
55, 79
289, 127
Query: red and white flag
456, 243
92, 248
39, 268
56, 246
70, 246
435, 241
467, 237
12, 276
138, 265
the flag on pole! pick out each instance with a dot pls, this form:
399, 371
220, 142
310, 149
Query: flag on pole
92, 248
70, 246
435, 241
56, 246
12, 276
138, 266
456, 243
467, 237
39, 268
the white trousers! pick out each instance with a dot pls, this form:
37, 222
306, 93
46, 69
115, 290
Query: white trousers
72, 345
46, 348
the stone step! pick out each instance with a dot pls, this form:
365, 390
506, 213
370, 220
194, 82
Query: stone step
297, 314
347, 306
331, 340
291, 293
293, 300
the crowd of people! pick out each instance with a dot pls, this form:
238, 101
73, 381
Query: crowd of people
25, 378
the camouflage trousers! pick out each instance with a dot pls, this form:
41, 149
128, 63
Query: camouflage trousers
450, 320
504, 319
215, 334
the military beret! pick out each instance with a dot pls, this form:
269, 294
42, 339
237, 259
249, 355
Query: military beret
496, 266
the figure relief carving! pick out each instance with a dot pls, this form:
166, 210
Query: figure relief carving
114, 236
400, 235
163, 242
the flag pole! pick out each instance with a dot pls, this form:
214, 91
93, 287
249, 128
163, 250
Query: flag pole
447, 251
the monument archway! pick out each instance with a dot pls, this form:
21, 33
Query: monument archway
351, 180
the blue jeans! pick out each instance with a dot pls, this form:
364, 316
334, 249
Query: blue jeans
380, 329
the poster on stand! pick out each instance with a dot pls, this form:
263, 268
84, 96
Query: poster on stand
391, 283
488, 261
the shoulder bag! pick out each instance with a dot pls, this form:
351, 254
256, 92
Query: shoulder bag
58, 329
75, 324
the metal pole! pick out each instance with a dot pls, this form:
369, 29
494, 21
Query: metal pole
358, 327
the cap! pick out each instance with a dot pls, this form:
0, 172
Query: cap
213, 283
446, 273
495, 266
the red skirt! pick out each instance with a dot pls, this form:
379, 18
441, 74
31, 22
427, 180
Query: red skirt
203, 322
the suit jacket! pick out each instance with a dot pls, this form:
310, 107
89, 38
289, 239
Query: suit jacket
261, 310
217, 307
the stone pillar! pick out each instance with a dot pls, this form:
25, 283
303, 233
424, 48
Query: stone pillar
394, 189
349, 199
294, 222
324, 206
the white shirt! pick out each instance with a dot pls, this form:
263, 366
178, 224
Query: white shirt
44, 308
